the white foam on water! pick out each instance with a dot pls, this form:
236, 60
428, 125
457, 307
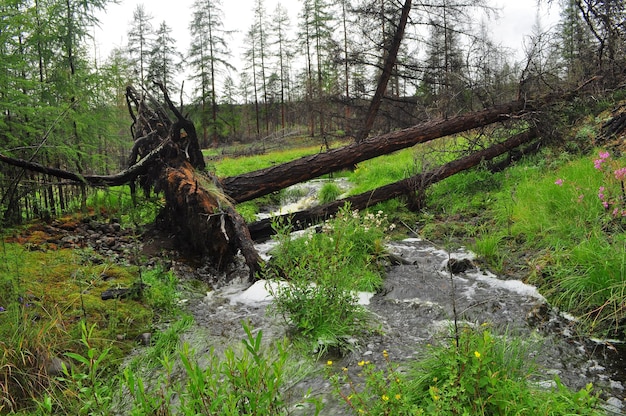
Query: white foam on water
364, 298
513, 286
260, 292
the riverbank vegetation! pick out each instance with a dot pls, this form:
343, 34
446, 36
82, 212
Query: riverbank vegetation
553, 218
92, 311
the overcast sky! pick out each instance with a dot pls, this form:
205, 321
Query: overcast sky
517, 18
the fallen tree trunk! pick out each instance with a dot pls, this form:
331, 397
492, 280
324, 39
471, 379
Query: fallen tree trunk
265, 181
262, 182
418, 183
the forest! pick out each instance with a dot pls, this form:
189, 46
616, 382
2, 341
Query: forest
418, 90
318, 77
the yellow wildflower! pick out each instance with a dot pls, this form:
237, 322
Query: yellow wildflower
329, 362
398, 396
385, 398
385, 354
476, 354
361, 363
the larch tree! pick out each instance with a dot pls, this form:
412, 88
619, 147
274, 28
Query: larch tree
444, 67
50, 91
208, 57
261, 55
280, 27
605, 19
316, 29
229, 114
164, 59
250, 57
140, 39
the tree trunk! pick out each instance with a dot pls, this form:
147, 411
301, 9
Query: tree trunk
262, 182
418, 183
390, 62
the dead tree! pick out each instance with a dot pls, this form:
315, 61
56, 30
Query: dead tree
197, 211
199, 208
262, 182
390, 62
417, 183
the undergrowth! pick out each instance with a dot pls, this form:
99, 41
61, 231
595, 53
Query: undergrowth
324, 270
477, 373
47, 294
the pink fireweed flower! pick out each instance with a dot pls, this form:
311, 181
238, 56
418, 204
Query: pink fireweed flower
620, 174
605, 204
598, 163
601, 193
604, 155
559, 182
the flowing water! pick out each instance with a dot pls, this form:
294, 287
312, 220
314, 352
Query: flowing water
415, 308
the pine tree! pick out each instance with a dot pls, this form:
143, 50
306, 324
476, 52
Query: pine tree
164, 59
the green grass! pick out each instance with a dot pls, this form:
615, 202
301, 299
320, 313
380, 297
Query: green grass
382, 170
548, 207
481, 374
229, 166
329, 193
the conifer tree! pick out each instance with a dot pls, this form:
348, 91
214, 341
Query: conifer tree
140, 40
208, 57
164, 59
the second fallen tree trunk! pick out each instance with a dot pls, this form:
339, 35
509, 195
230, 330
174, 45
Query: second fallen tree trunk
417, 183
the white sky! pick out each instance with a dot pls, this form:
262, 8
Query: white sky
517, 18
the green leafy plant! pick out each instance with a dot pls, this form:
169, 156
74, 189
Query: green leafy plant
373, 391
481, 374
486, 375
324, 271
85, 389
247, 381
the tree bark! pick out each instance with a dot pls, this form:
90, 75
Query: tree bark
262, 182
390, 62
418, 183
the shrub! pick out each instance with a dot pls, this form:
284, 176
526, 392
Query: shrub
324, 270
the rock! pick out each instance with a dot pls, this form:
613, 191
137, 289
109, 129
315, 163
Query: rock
145, 338
54, 366
459, 265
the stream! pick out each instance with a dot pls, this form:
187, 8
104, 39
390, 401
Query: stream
415, 309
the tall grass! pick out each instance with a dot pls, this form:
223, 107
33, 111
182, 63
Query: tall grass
554, 208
